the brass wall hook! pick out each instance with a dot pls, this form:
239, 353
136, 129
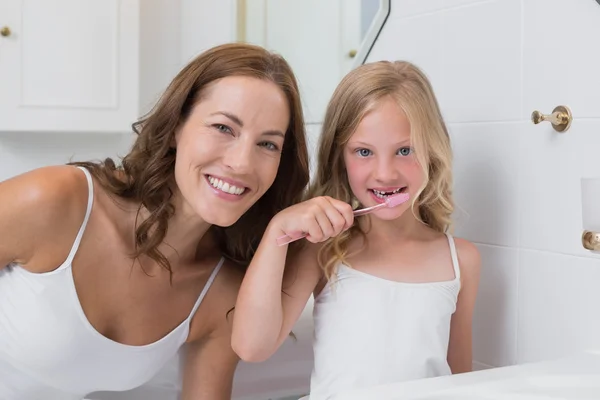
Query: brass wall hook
560, 118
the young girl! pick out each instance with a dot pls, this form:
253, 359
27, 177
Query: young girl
394, 293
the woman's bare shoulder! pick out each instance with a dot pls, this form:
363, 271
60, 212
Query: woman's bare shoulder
43, 209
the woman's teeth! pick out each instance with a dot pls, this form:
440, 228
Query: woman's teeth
225, 187
383, 195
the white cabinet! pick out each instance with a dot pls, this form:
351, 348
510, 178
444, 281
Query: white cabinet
69, 65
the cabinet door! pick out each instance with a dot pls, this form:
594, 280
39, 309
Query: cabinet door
69, 65
315, 36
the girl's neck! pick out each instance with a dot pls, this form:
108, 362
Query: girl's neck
403, 228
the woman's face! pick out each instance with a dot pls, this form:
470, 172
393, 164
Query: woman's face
229, 148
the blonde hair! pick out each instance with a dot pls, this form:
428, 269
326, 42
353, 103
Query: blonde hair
359, 92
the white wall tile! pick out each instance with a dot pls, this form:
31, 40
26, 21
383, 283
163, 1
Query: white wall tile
551, 168
462, 3
397, 42
558, 305
481, 58
486, 173
561, 56
406, 8
495, 319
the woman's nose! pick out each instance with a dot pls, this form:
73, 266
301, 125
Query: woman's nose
239, 156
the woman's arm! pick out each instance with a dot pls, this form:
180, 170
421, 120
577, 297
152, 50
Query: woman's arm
209, 368
275, 289
209, 361
460, 353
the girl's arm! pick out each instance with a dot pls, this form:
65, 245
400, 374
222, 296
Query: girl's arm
272, 297
460, 353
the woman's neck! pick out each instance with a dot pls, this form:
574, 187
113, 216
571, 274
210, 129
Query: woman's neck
186, 230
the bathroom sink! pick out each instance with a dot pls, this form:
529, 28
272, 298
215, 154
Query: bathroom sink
571, 378
543, 387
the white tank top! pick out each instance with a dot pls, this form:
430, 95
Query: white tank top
50, 351
372, 331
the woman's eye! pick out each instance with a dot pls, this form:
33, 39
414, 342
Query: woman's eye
363, 152
222, 128
405, 151
270, 146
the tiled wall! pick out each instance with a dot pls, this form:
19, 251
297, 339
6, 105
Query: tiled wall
517, 185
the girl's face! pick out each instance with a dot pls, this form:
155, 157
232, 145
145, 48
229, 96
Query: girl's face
229, 148
380, 160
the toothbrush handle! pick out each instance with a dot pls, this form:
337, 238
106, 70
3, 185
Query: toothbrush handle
364, 211
285, 239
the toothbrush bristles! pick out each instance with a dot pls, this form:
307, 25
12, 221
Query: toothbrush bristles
396, 200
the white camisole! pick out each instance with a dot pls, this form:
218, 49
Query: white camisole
50, 351
372, 331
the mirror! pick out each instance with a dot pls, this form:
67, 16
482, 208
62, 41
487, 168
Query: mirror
322, 40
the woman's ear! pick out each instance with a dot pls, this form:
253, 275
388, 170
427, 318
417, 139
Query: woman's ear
175, 137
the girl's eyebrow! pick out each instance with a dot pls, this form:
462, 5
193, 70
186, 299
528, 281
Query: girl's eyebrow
400, 143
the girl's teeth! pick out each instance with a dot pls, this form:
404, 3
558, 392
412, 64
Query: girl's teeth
382, 195
225, 187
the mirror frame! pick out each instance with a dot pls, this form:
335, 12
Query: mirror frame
373, 32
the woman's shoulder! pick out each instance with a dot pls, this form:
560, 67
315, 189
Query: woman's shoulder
45, 207
52, 185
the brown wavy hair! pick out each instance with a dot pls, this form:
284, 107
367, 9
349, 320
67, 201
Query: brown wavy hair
146, 173
357, 94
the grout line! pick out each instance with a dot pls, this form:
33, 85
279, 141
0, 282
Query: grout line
532, 249
515, 355
522, 63
517, 314
441, 10
506, 121
512, 121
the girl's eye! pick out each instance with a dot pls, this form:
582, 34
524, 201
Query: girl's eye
270, 146
363, 152
222, 128
405, 151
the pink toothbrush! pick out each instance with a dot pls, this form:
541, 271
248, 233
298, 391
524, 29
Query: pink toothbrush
390, 201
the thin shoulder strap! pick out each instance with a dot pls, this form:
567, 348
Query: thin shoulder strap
210, 281
454, 255
88, 211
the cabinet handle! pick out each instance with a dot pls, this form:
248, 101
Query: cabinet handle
5, 31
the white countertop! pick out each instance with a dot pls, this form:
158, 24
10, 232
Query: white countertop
572, 378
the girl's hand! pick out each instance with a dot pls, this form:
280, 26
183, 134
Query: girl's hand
320, 218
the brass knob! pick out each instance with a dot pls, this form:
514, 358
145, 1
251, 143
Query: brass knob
591, 240
352, 53
5, 31
560, 118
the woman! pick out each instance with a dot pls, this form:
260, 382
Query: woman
107, 271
